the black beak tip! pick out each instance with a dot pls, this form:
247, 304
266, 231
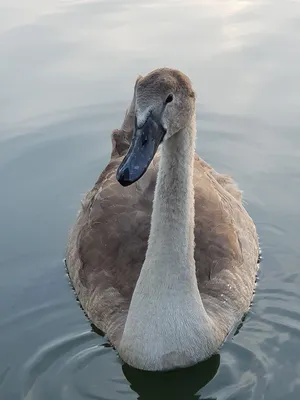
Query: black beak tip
123, 177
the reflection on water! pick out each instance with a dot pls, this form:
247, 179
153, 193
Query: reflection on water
67, 71
180, 384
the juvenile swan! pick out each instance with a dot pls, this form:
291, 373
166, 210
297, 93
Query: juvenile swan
164, 261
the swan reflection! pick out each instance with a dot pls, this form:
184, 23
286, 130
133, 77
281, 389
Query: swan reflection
177, 384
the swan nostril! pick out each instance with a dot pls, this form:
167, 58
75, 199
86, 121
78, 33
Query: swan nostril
144, 140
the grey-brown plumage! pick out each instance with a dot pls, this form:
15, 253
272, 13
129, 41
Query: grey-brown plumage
108, 242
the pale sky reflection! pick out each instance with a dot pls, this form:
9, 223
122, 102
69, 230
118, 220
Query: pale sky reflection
59, 55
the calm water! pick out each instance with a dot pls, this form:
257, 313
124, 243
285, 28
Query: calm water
67, 70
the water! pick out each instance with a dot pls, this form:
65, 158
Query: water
67, 71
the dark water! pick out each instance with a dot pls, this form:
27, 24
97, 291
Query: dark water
67, 69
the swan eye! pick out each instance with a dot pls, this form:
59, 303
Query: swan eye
169, 99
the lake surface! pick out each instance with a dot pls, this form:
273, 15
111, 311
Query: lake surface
67, 72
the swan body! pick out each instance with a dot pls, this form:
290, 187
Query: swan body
163, 255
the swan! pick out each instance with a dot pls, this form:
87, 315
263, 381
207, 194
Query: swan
163, 256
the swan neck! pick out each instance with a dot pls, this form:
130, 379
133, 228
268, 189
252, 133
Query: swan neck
172, 224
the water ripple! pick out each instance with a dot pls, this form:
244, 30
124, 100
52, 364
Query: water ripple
72, 368
58, 369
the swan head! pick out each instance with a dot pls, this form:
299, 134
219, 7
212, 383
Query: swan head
164, 105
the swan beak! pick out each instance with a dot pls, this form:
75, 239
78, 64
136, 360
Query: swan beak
145, 142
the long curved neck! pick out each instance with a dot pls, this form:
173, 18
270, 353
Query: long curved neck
171, 240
